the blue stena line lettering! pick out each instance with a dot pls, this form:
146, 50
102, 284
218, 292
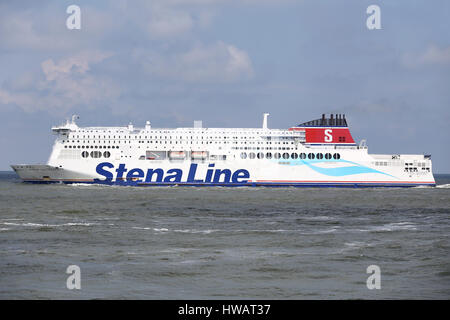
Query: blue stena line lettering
172, 175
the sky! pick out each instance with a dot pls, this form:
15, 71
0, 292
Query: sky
226, 62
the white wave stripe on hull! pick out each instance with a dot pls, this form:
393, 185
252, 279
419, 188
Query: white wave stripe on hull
224, 156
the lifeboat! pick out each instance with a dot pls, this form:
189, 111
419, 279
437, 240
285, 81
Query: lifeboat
177, 155
199, 155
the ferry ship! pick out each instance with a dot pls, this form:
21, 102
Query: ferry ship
317, 153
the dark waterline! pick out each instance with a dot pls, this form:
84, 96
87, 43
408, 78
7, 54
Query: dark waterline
220, 243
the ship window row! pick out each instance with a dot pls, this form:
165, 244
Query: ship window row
278, 132
199, 137
92, 147
286, 155
262, 148
181, 142
96, 154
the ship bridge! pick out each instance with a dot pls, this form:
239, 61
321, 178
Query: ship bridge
66, 127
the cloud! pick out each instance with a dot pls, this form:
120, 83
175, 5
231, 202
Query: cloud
433, 55
84, 80
78, 63
61, 85
217, 62
164, 22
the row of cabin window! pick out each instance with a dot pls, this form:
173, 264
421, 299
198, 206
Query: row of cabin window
256, 135
277, 155
96, 154
171, 137
92, 147
262, 148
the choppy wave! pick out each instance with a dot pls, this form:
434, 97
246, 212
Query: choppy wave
176, 230
31, 224
208, 231
397, 226
444, 186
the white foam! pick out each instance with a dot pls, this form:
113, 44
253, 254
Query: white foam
194, 231
443, 186
141, 228
30, 224
161, 229
392, 227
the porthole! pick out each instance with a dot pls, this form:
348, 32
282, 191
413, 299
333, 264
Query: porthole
260, 155
319, 156
328, 156
243, 155
85, 154
277, 155
285, 155
302, 155
96, 154
251, 155
294, 155
107, 154
268, 155
311, 156
337, 156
